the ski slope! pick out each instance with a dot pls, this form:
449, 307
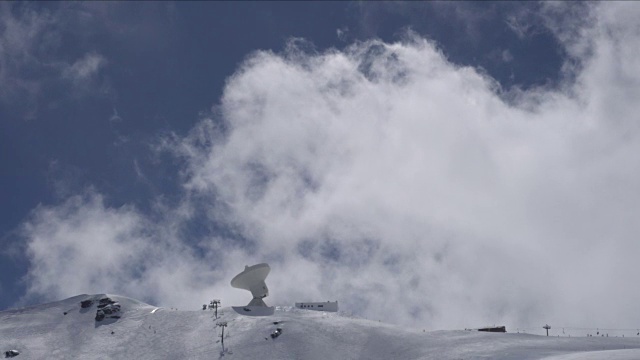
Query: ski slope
148, 332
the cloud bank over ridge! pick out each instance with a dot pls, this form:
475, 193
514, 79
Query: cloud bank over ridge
384, 175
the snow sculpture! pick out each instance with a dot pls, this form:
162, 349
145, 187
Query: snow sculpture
252, 279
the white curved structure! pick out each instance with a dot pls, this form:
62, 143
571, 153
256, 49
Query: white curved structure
252, 279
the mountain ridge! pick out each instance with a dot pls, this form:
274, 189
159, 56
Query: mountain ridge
66, 330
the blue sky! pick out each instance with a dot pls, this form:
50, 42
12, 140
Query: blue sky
374, 152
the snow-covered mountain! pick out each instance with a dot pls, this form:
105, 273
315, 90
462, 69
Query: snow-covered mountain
130, 329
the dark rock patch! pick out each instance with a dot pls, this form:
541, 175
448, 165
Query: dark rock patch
11, 353
276, 333
99, 315
107, 308
105, 302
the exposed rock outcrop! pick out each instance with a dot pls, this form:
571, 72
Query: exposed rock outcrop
107, 309
11, 353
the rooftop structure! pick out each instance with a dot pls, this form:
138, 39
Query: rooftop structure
319, 306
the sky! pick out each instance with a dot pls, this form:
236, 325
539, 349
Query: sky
470, 163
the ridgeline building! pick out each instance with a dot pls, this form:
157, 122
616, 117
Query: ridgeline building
319, 306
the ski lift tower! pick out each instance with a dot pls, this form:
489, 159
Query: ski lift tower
214, 305
547, 327
222, 324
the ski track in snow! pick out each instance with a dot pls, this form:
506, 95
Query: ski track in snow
143, 332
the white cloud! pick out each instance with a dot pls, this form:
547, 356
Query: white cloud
342, 33
85, 246
507, 56
384, 176
566, 21
85, 69
84, 76
115, 118
521, 25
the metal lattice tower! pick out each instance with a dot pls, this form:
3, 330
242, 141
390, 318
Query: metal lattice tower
215, 303
222, 324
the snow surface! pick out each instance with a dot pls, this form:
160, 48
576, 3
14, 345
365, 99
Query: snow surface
149, 332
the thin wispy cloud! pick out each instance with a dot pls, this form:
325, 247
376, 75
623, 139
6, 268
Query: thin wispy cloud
20, 33
34, 63
85, 68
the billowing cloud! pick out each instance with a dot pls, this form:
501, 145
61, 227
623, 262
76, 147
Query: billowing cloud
394, 181
85, 246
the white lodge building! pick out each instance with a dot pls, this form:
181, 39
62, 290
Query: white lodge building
319, 306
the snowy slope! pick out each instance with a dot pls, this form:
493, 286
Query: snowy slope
147, 332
